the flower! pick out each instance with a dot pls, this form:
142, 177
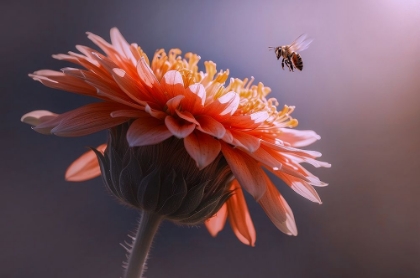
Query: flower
169, 98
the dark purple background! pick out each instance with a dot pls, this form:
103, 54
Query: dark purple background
360, 90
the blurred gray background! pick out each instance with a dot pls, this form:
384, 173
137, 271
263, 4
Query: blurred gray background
360, 90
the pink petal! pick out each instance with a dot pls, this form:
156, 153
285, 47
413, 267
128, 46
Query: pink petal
83, 120
121, 45
195, 98
246, 170
158, 114
225, 105
179, 128
243, 139
37, 117
186, 116
301, 187
216, 223
172, 83
277, 209
239, 217
210, 126
298, 138
263, 156
202, 148
86, 167
61, 81
147, 131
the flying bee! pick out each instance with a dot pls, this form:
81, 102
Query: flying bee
289, 53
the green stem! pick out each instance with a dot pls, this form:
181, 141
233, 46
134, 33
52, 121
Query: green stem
148, 226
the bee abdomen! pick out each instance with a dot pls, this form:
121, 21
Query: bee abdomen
297, 61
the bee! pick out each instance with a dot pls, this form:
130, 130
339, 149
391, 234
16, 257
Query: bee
289, 53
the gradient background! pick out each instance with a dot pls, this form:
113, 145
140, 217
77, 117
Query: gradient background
360, 90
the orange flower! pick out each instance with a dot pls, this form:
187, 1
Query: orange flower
170, 97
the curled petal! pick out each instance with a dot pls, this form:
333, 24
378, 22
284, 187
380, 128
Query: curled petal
37, 117
246, 170
86, 167
216, 223
243, 139
239, 217
202, 148
147, 131
179, 128
277, 209
210, 126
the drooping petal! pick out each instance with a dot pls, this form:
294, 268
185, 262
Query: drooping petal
86, 167
210, 126
243, 139
187, 116
202, 148
37, 117
216, 223
246, 170
82, 121
239, 217
147, 131
301, 187
277, 209
179, 128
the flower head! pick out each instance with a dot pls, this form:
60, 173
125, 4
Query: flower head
170, 97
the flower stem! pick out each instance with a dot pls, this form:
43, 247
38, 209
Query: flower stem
148, 226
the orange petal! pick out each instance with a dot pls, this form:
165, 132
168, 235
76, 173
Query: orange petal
239, 217
202, 148
82, 121
216, 223
121, 45
243, 139
187, 116
179, 128
147, 131
172, 83
277, 209
86, 167
225, 105
65, 82
211, 126
246, 170
130, 88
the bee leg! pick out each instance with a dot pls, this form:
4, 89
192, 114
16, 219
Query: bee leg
290, 62
282, 64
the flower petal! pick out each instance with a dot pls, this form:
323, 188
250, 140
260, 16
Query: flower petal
225, 105
121, 45
239, 217
172, 83
246, 170
202, 148
277, 209
301, 187
298, 138
83, 120
37, 117
216, 223
179, 128
210, 126
86, 167
147, 131
243, 139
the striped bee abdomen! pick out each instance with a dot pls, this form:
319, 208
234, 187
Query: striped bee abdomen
297, 61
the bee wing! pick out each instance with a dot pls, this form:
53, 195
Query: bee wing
301, 43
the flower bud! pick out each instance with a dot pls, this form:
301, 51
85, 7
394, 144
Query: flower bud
163, 178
